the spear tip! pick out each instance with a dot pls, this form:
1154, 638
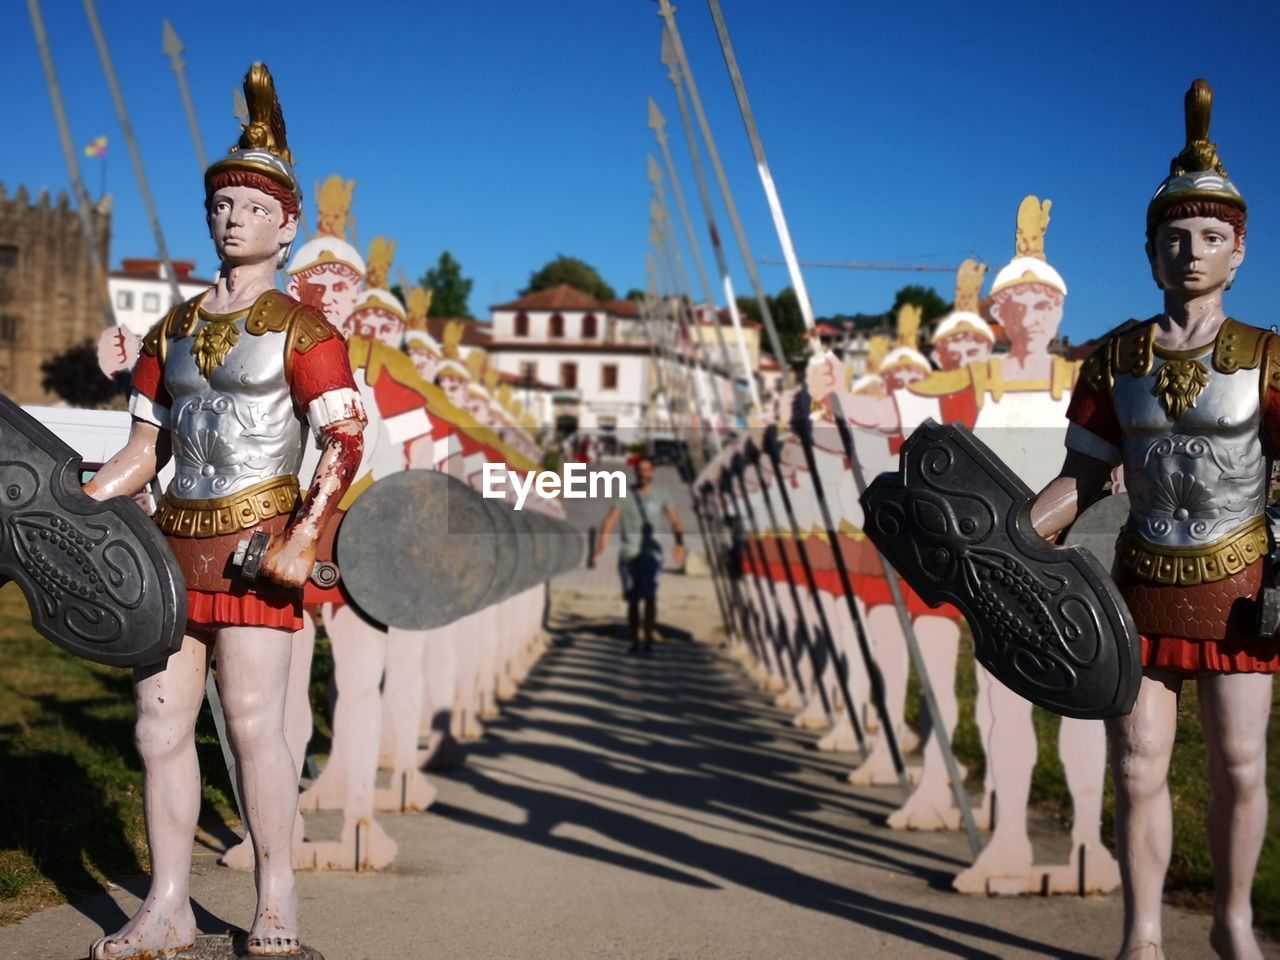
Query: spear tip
655, 171
656, 120
172, 43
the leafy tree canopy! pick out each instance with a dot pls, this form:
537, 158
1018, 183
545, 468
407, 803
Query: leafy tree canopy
450, 290
574, 272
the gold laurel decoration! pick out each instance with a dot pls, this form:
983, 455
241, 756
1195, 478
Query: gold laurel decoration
877, 350
378, 263
969, 280
475, 364
333, 201
452, 337
909, 315
418, 305
1033, 223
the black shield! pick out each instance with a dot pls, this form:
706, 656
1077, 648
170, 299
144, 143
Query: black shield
98, 576
1047, 621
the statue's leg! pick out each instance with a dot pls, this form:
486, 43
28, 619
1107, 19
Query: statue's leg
466, 719
253, 679
931, 805
168, 698
891, 657
1082, 747
1234, 710
440, 679
982, 816
1007, 859
402, 697
297, 733
1141, 745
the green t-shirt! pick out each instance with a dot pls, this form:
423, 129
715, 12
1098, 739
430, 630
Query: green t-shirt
638, 520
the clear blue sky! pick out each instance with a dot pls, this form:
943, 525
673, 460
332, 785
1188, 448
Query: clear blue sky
509, 131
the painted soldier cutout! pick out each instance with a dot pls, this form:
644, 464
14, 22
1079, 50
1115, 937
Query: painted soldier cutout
1188, 404
240, 352
1013, 402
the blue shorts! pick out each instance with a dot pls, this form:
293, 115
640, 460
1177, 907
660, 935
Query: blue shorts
640, 576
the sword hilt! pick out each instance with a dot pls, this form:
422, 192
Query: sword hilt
250, 553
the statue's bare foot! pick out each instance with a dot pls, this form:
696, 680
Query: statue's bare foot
1234, 941
1141, 951
157, 930
275, 930
1004, 866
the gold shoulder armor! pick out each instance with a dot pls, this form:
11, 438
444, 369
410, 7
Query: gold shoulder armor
1238, 346
271, 313
1095, 372
1132, 350
307, 328
153, 344
942, 383
1270, 379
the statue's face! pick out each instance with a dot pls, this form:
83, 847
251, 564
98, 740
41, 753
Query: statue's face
248, 226
961, 349
333, 288
426, 362
455, 391
1195, 256
900, 377
375, 324
1031, 311
478, 407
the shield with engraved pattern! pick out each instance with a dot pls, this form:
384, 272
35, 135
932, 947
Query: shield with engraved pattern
99, 577
1047, 621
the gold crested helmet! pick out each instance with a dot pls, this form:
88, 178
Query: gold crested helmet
263, 147
1197, 172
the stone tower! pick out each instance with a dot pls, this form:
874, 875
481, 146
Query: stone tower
50, 297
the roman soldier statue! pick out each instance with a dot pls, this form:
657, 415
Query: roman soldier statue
231, 382
1188, 403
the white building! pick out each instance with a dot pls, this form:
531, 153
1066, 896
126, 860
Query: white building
596, 353
141, 293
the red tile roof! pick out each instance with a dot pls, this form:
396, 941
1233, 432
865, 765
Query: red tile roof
562, 297
474, 333
623, 308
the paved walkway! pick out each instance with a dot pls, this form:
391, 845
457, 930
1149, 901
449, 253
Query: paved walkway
643, 808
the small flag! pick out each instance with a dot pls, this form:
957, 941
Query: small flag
98, 148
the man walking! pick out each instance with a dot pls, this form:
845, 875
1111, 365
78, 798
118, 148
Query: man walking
640, 556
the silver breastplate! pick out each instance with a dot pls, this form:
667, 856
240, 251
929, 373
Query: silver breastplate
1196, 479
239, 427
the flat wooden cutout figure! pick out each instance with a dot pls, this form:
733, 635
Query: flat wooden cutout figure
1188, 404
239, 353
1013, 403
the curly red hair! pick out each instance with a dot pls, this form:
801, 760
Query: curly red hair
1186, 209
258, 181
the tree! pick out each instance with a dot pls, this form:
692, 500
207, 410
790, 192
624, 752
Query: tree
635, 295
787, 318
932, 305
449, 288
574, 272
74, 376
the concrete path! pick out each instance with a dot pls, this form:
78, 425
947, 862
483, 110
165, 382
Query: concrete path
643, 809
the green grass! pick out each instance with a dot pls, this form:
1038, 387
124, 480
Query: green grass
70, 778
1190, 879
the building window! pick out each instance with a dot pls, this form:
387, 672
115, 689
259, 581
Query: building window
589, 327
556, 326
569, 376
151, 302
609, 376
528, 371
522, 325
8, 328
124, 299
8, 255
